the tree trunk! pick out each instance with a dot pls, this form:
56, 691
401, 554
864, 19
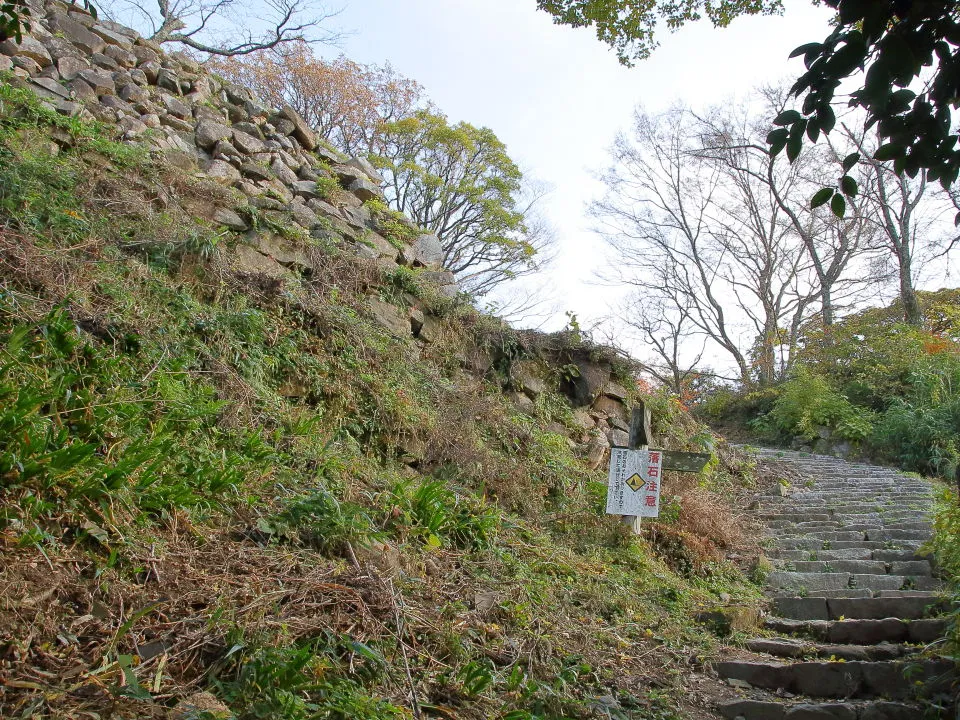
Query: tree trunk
908, 296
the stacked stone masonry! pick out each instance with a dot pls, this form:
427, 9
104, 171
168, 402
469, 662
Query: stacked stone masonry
276, 168
854, 602
99, 70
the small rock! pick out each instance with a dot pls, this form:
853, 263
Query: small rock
429, 251
283, 173
81, 90
364, 166
390, 317
168, 80
302, 215
111, 37
247, 143
104, 62
175, 107
150, 70
52, 86
144, 54
134, 93
200, 704
176, 123
438, 277
254, 171
282, 127
123, 58
131, 128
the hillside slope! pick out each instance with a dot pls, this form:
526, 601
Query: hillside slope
259, 457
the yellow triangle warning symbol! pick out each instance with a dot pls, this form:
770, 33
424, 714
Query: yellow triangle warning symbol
635, 482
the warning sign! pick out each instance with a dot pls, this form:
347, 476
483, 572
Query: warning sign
633, 487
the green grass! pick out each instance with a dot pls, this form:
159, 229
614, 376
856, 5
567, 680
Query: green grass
154, 408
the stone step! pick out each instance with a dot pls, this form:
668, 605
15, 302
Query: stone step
861, 567
895, 535
791, 648
862, 632
902, 555
844, 593
821, 555
913, 607
799, 542
843, 679
826, 535
823, 514
812, 581
770, 710
815, 581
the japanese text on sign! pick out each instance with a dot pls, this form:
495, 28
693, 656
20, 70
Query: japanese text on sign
633, 486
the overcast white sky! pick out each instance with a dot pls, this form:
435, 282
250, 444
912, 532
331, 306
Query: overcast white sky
557, 96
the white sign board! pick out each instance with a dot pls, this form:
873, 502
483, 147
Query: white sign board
633, 487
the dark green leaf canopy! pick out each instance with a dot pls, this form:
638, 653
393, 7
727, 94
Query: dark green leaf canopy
628, 25
906, 53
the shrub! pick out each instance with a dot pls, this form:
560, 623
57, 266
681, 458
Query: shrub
922, 430
807, 402
437, 515
322, 678
322, 522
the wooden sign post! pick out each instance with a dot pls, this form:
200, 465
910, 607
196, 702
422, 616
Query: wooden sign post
636, 471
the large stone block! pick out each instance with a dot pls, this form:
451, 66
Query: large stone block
301, 130
209, 133
390, 317
429, 251
81, 37
29, 48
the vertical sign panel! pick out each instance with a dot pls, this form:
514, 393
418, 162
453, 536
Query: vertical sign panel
633, 485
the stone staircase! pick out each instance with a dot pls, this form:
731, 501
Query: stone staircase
852, 602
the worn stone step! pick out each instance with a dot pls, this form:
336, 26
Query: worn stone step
844, 593
825, 516
861, 567
895, 535
843, 679
821, 555
790, 648
808, 543
771, 710
812, 582
862, 632
914, 607
904, 554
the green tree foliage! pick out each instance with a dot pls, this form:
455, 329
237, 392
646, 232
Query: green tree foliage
459, 182
628, 25
877, 380
892, 44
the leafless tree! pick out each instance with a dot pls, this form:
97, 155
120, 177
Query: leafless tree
911, 216
226, 27
664, 327
831, 243
694, 221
